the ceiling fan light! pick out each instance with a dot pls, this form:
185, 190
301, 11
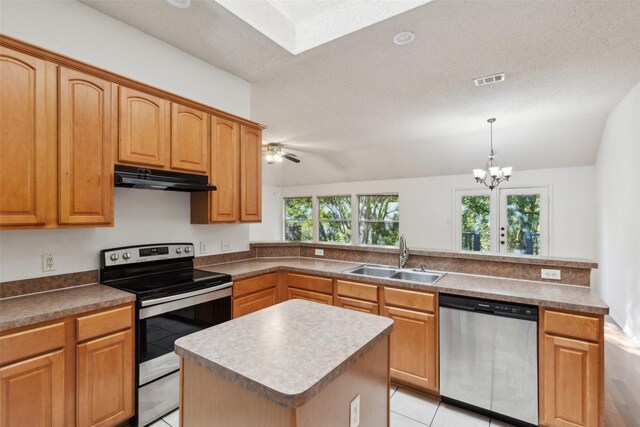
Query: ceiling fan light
269, 158
277, 157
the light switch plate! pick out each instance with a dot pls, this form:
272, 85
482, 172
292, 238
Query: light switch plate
550, 274
319, 252
354, 412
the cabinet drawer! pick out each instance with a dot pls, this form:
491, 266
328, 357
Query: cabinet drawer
423, 301
293, 293
357, 305
254, 284
357, 290
254, 302
311, 283
572, 325
104, 322
31, 342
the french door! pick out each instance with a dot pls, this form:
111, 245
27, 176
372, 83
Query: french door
508, 220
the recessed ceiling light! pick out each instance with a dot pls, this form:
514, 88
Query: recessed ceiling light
182, 4
403, 38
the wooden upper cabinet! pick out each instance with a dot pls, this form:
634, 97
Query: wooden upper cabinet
87, 131
27, 140
250, 174
225, 170
145, 129
33, 392
189, 139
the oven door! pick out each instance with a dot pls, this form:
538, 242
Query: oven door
160, 323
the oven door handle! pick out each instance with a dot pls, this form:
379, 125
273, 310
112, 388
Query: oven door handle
176, 302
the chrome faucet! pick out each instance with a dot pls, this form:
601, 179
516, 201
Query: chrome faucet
404, 252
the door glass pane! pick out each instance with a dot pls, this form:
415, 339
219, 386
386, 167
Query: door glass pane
523, 219
475, 212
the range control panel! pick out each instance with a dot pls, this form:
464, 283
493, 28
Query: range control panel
137, 254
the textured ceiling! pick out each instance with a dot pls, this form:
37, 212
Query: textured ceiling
361, 108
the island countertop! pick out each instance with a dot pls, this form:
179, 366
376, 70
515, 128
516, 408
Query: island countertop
559, 296
286, 353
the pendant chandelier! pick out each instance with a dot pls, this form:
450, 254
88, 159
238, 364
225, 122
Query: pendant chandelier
492, 175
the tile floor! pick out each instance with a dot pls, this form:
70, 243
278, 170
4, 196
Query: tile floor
408, 409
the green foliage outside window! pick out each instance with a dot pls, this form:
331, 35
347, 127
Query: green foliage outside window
379, 219
476, 232
298, 222
334, 216
523, 212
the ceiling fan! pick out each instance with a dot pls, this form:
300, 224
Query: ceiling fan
273, 153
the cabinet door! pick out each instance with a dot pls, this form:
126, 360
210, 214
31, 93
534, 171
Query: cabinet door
144, 129
86, 149
414, 347
189, 139
32, 392
250, 174
570, 373
225, 174
105, 380
254, 302
27, 140
294, 293
357, 305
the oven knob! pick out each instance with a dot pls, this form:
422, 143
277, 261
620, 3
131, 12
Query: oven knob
114, 257
126, 255
179, 251
188, 249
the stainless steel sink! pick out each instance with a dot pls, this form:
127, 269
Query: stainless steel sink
428, 277
418, 276
372, 270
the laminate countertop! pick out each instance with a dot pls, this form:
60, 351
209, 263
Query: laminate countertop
40, 307
267, 352
543, 294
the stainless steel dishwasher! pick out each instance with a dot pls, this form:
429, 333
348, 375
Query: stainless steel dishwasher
489, 358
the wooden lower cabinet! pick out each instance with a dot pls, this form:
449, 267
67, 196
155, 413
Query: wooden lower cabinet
105, 380
32, 392
254, 302
295, 293
571, 370
77, 371
414, 340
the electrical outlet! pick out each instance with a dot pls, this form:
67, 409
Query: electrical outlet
48, 262
319, 252
354, 412
226, 246
550, 274
203, 247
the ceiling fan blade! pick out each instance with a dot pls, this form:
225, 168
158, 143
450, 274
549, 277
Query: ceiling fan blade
288, 154
290, 157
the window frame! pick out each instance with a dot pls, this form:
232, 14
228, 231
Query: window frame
284, 218
371, 221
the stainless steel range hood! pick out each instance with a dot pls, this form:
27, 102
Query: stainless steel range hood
153, 179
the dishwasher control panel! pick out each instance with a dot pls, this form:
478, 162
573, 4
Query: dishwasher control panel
497, 308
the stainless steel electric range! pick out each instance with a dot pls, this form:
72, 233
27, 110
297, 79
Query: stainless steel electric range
174, 299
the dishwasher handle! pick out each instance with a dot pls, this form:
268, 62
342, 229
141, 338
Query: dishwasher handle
494, 308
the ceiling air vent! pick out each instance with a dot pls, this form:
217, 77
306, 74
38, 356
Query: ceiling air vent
489, 79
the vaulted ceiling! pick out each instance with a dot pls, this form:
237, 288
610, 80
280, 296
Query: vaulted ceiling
360, 107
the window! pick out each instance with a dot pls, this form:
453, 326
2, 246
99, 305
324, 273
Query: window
334, 219
507, 220
298, 218
378, 219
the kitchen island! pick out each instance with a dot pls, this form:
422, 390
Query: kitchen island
297, 363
